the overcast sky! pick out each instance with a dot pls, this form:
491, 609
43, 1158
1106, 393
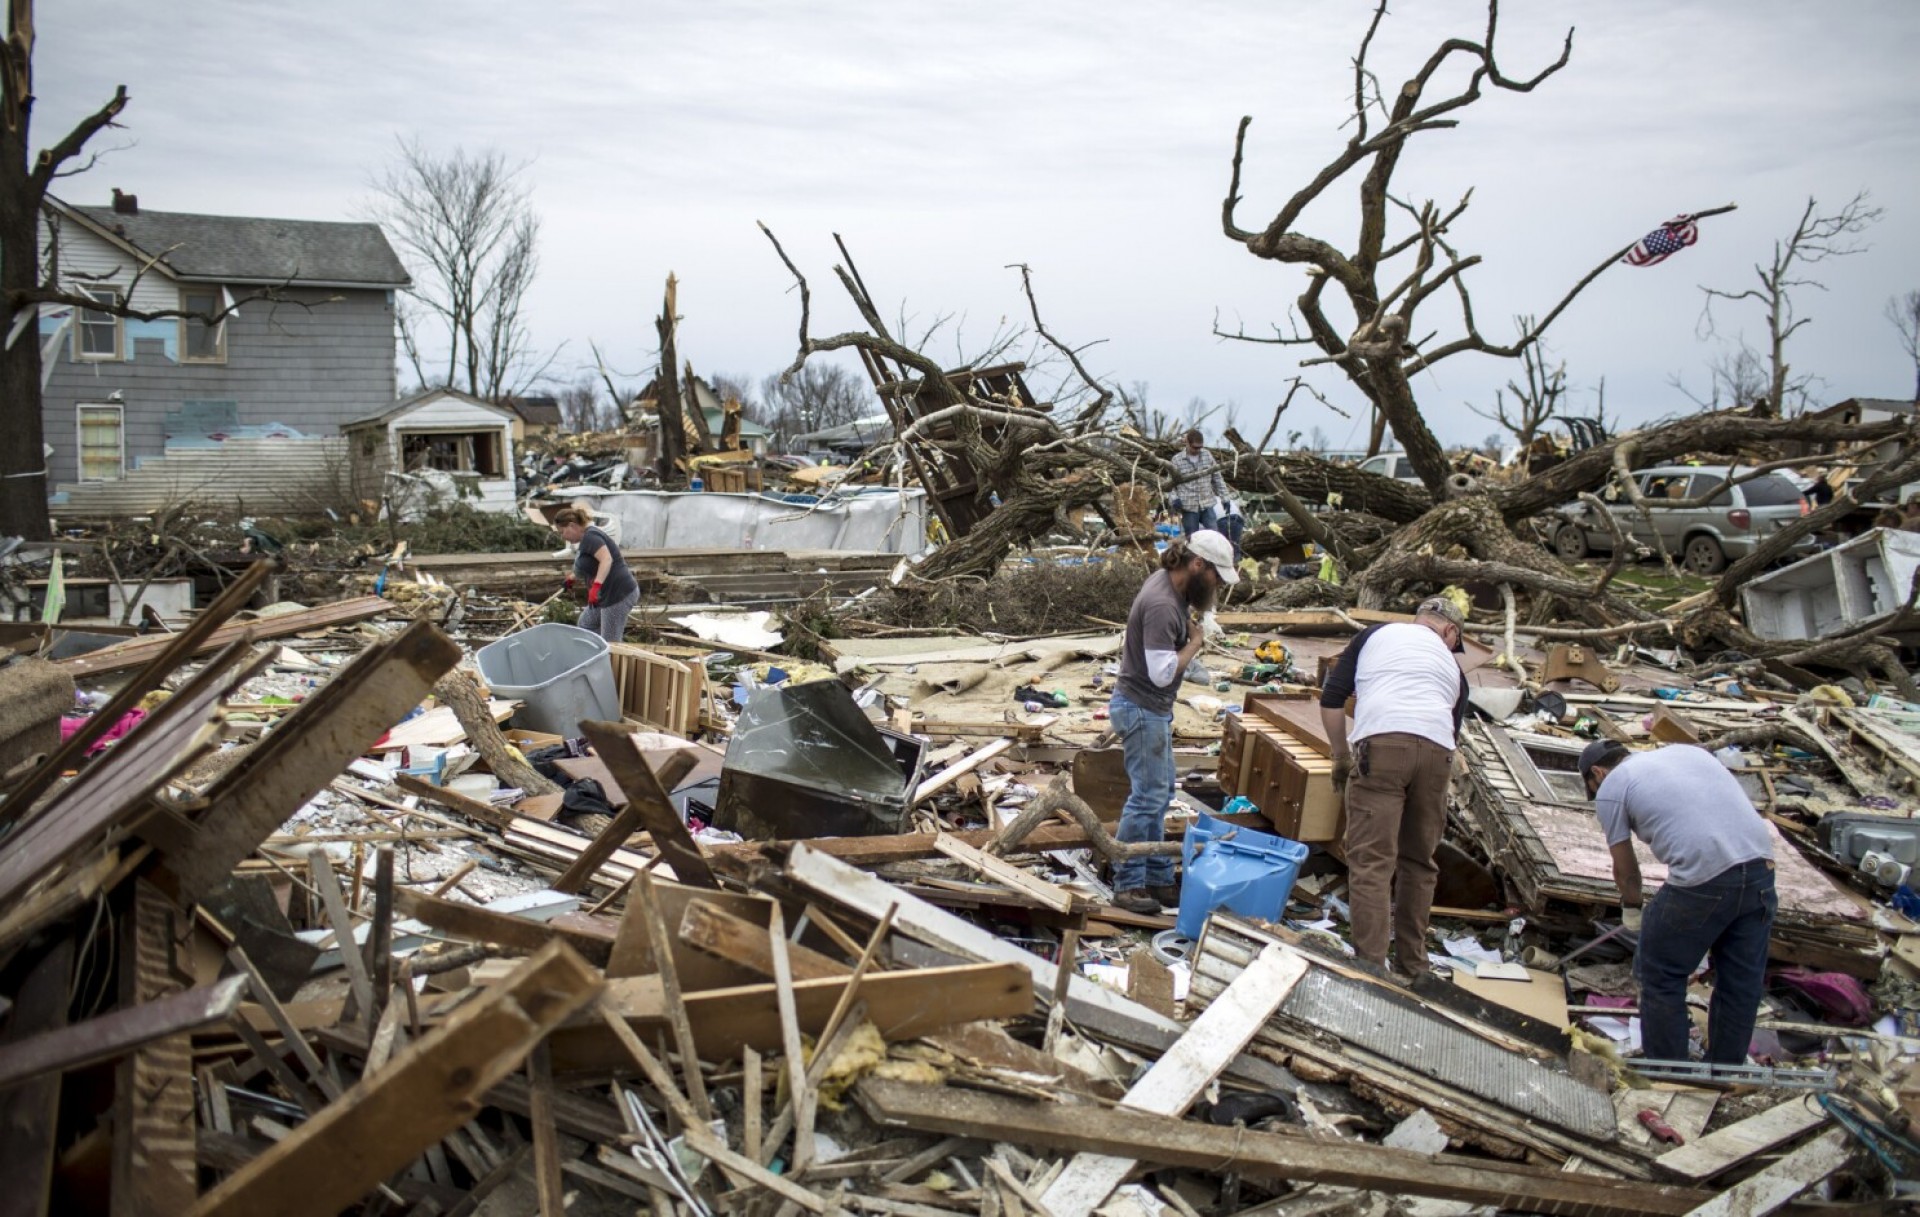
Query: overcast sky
1090, 141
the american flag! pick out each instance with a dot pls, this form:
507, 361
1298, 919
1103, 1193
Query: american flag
1663, 242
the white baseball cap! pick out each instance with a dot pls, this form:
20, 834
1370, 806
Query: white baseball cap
1217, 550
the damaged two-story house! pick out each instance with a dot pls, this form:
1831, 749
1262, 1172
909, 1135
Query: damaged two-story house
140, 414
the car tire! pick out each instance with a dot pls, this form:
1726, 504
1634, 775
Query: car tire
1570, 542
1704, 556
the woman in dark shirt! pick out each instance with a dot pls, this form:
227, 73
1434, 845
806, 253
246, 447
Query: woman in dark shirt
612, 590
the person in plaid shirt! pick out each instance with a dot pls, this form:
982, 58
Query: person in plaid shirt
1198, 485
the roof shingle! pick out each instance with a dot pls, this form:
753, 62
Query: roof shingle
243, 248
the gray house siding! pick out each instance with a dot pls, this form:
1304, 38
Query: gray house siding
311, 368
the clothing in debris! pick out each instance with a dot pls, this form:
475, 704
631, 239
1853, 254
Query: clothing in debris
1718, 902
1409, 700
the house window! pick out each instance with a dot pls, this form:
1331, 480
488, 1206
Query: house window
103, 450
200, 342
96, 334
453, 452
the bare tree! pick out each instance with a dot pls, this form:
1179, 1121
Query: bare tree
582, 408
728, 386
1365, 325
814, 398
1904, 313
465, 226
1815, 239
1533, 404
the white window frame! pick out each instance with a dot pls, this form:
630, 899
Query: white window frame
106, 295
219, 328
79, 439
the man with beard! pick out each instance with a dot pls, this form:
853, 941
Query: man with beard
1163, 636
1409, 699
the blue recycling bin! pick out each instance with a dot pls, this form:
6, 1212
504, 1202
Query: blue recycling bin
1242, 870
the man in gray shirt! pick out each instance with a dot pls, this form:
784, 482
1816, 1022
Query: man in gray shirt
1718, 902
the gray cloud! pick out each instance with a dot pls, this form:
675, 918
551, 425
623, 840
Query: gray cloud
1088, 140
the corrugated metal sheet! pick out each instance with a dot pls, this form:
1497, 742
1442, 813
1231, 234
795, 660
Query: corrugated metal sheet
269, 476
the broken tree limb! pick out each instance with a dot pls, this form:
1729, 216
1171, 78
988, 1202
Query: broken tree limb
459, 690
1059, 797
430, 1088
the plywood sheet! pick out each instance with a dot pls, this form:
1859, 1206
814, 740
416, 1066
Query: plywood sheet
1543, 995
1572, 837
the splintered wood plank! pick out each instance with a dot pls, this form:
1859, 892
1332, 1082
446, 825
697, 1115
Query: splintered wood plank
1725, 1148
1170, 1141
476, 924
154, 1170
1225, 1027
952, 773
711, 929
124, 655
308, 750
648, 806
430, 1088
110, 1035
28, 1111
1763, 1193
902, 1005
1005, 873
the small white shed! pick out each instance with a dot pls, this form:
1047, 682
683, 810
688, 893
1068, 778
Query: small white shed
414, 448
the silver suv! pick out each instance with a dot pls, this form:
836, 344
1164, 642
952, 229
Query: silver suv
1728, 526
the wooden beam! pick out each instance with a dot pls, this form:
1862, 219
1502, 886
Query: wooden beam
1292, 1158
430, 1088
110, 797
28, 1112
308, 750
902, 1005
709, 928
476, 924
1005, 873
155, 1173
548, 1185
1761, 1194
649, 806
124, 655
1176, 1079
1727, 1147
953, 773
177, 649
453, 800
110, 1035
845, 885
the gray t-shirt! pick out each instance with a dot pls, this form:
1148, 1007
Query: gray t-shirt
1157, 622
1689, 810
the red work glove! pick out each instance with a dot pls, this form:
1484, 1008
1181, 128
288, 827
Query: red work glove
593, 593
568, 585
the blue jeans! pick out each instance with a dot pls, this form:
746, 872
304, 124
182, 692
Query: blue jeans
1147, 739
1728, 920
1193, 521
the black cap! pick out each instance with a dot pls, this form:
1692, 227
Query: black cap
1600, 752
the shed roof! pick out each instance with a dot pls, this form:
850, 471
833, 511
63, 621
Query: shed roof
408, 405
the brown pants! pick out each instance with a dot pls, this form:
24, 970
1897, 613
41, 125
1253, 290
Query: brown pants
1396, 815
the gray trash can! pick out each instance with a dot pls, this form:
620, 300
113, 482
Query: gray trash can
560, 673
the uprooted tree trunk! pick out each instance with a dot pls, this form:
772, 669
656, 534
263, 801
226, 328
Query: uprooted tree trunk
459, 691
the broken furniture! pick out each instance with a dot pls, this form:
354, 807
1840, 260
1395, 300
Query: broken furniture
1854, 584
1572, 661
1277, 755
